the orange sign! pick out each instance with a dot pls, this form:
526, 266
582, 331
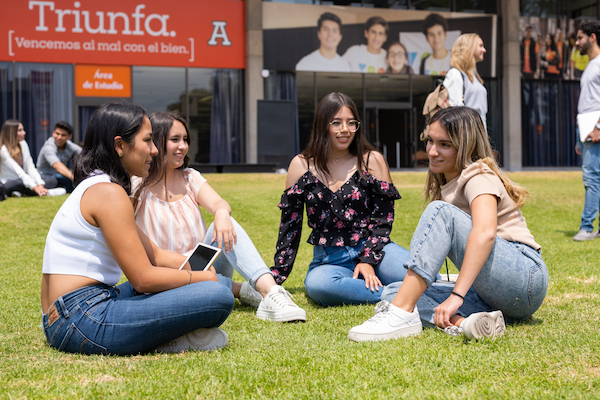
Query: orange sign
187, 33
102, 81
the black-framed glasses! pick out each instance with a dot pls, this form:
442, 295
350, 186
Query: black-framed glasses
338, 125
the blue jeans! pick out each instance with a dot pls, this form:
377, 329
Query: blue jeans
514, 278
329, 279
244, 258
57, 180
590, 154
102, 319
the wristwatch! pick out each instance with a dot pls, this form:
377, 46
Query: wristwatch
598, 125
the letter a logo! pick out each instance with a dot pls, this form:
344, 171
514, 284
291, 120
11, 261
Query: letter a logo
219, 33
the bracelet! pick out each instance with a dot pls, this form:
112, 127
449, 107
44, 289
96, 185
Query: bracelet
190, 281
456, 294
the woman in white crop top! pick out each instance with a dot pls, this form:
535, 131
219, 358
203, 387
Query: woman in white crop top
167, 210
93, 239
476, 221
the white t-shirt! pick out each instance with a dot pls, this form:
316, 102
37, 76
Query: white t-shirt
433, 66
589, 97
361, 60
316, 62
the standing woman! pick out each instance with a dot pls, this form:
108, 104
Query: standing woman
476, 221
17, 170
550, 59
167, 204
349, 199
92, 241
465, 86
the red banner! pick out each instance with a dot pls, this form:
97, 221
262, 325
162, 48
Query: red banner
186, 33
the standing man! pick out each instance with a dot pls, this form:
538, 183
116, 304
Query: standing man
370, 58
528, 55
435, 29
326, 58
589, 102
55, 155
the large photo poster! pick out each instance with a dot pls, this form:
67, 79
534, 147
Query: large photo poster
361, 40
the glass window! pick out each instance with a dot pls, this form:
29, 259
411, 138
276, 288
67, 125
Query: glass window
44, 96
306, 105
6, 91
430, 5
397, 4
389, 88
476, 6
200, 100
159, 88
540, 8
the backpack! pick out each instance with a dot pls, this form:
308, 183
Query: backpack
435, 101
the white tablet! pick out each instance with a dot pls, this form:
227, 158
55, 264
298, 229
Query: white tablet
203, 256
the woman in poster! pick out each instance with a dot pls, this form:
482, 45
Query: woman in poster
397, 59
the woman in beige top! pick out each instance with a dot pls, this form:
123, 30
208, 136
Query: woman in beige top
476, 221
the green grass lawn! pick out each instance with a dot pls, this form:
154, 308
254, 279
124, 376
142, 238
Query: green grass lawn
554, 355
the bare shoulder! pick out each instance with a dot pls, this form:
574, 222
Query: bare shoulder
95, 207
298, 167
378, 166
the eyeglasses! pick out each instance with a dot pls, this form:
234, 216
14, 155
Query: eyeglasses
400, 54
338, 125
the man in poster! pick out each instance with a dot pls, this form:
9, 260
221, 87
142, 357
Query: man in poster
370, 58
326, 58
435, 28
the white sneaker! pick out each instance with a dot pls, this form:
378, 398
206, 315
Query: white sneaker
389, 322
279, 306
249, 296
585, 235
203, 339
57, 191
483, 324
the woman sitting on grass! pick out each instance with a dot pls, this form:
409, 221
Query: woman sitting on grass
94, 238
349, 199
478, 224
17, 170
167, 210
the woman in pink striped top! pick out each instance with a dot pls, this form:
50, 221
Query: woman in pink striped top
167, 209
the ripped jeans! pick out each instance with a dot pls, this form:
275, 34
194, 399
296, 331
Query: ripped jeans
514, 279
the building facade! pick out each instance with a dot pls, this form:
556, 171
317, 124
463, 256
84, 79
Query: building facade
241, 75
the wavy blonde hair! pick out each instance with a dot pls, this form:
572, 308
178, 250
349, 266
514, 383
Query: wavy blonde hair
466, 132
462, 55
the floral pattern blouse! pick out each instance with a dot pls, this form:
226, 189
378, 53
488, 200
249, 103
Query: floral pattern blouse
362, 208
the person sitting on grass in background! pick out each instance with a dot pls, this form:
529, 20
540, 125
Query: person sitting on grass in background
17, 170
55, 156
476, 221
167, 203
94, 238
349, 197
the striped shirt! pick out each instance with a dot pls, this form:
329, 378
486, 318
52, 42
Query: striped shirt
178, 225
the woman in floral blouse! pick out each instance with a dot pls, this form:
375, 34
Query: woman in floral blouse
349, 199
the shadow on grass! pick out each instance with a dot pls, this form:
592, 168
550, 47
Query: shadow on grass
530, 322
568, 234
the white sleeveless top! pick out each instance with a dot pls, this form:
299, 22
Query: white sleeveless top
74, 246
178, 225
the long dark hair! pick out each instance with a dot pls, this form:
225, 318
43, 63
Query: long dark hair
161, 122
319, 146
98, 153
